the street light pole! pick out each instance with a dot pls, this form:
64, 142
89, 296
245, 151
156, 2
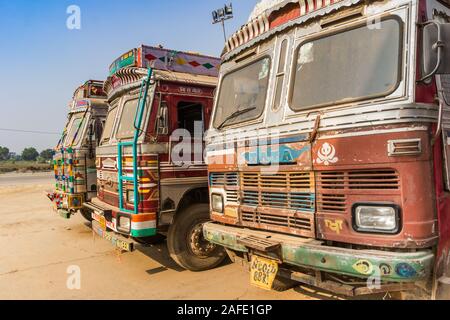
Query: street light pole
224, 32
222, 14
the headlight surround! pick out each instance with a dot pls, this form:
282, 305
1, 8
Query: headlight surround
124, 223
376, 218
217, 203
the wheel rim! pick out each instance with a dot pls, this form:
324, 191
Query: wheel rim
198, 245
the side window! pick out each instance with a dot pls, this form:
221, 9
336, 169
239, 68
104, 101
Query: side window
107, 129
126, 128
279, 82
189, 113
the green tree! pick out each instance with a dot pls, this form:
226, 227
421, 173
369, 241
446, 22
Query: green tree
47, 154
30, 154
4, 153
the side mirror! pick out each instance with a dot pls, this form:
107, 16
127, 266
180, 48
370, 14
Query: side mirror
98, 130
163, 119
436, 49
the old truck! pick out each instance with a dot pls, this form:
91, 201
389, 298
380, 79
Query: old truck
152, 180
329, 147
74, 159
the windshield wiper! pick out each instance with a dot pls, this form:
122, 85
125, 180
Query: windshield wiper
234, 115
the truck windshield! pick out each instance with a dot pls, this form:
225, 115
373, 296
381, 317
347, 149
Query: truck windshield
355, 64
76, 124
126, 123
109, 124
243, 89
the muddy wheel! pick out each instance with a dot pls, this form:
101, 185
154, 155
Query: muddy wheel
156, 239
186, 243
86, 214
281, 284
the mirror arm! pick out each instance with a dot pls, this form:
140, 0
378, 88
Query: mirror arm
439, 124
439, 45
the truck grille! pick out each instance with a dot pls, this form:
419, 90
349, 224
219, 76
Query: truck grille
222, 179
294, 223
283, 202
363, 179
227, 180
335, 203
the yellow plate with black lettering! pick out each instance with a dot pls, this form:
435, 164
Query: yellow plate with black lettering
102, 222
263, 272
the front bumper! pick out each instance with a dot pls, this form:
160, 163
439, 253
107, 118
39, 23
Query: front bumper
313, 254
116, 240
142, 225
65, 203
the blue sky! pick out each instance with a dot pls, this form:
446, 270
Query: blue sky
42, 61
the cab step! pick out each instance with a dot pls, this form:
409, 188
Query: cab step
265, 245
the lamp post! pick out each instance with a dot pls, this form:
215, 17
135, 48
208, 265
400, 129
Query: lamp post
222, 14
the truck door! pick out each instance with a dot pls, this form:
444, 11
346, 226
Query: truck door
186, 141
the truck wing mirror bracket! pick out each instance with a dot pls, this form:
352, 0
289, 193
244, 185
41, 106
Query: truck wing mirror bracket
435, 49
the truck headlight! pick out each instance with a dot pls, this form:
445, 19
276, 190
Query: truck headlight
124, 224
217, 203
377, 218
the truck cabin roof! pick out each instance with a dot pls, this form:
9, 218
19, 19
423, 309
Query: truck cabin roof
90, 94
270, 17
167, 64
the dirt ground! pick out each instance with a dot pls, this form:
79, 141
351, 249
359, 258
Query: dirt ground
38, 247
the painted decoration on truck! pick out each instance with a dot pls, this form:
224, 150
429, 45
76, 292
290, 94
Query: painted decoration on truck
327, 154
163, 59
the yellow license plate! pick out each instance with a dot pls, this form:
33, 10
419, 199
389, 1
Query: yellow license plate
102, 222
263, 272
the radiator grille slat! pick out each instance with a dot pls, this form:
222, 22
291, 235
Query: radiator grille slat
368, 180
227, 180
283, 202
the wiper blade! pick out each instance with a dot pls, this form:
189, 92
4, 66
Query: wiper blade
234, 115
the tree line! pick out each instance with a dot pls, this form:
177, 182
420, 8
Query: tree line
28, 154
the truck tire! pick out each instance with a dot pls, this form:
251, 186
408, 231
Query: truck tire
186, 244
86, 214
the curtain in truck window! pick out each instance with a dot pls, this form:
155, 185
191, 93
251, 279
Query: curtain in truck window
355, 64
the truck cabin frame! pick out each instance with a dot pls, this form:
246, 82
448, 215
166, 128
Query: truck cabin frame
74, 159
156, 96
331, 164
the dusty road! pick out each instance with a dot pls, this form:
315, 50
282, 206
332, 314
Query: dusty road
38, 247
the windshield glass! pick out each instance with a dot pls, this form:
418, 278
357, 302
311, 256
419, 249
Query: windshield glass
109, 124
126, 124
75, 129
243, 89
354, 64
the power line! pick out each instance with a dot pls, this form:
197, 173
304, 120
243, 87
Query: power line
28, 131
